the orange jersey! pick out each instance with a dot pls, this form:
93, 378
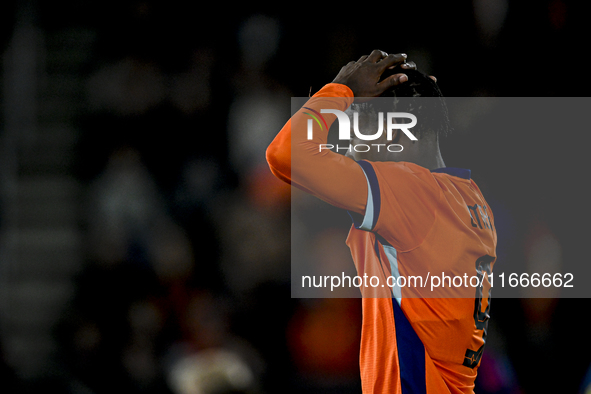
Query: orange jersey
408, 221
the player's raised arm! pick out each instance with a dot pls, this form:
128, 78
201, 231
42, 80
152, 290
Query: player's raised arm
295, 158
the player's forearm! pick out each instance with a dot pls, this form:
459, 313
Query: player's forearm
296, 159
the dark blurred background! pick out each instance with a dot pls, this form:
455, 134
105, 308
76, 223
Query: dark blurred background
145, 245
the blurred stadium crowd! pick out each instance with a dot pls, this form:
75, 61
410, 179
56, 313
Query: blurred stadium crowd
183, 280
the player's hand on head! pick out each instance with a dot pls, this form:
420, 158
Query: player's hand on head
413, 66
363, 76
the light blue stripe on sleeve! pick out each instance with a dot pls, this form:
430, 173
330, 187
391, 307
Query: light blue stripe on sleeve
392, 255
367, 223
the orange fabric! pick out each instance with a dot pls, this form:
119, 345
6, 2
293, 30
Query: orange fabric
332, 177
424, 220
439, 239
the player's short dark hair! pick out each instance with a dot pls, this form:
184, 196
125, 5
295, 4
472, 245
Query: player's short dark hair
420, 96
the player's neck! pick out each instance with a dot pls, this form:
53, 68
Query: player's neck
430, 161
425, 154
433, 162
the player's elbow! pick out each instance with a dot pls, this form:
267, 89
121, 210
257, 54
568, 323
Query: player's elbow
279, 163
274, 156
271, 154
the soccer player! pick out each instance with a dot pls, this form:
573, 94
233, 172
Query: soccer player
410, 214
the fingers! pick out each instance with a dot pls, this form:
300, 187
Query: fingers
433, 78
391, 61
408, 66
376, 55
391, 81
387, 61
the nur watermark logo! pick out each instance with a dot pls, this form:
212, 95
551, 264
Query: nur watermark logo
344, 122
316, 117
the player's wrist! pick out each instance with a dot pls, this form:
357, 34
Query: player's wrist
334, 89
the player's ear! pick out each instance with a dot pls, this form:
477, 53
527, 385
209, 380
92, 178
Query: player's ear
396, 135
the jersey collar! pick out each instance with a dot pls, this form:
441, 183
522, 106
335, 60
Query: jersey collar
459, 172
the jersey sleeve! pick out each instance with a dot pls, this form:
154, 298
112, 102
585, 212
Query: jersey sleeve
298, 160
402, 202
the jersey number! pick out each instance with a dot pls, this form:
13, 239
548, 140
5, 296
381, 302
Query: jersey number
472, 357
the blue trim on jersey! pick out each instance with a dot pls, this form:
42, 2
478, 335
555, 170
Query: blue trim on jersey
392, 257
367, 222
382, 240
357, 218
411, 354
377, 250
459, 172
372, 208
